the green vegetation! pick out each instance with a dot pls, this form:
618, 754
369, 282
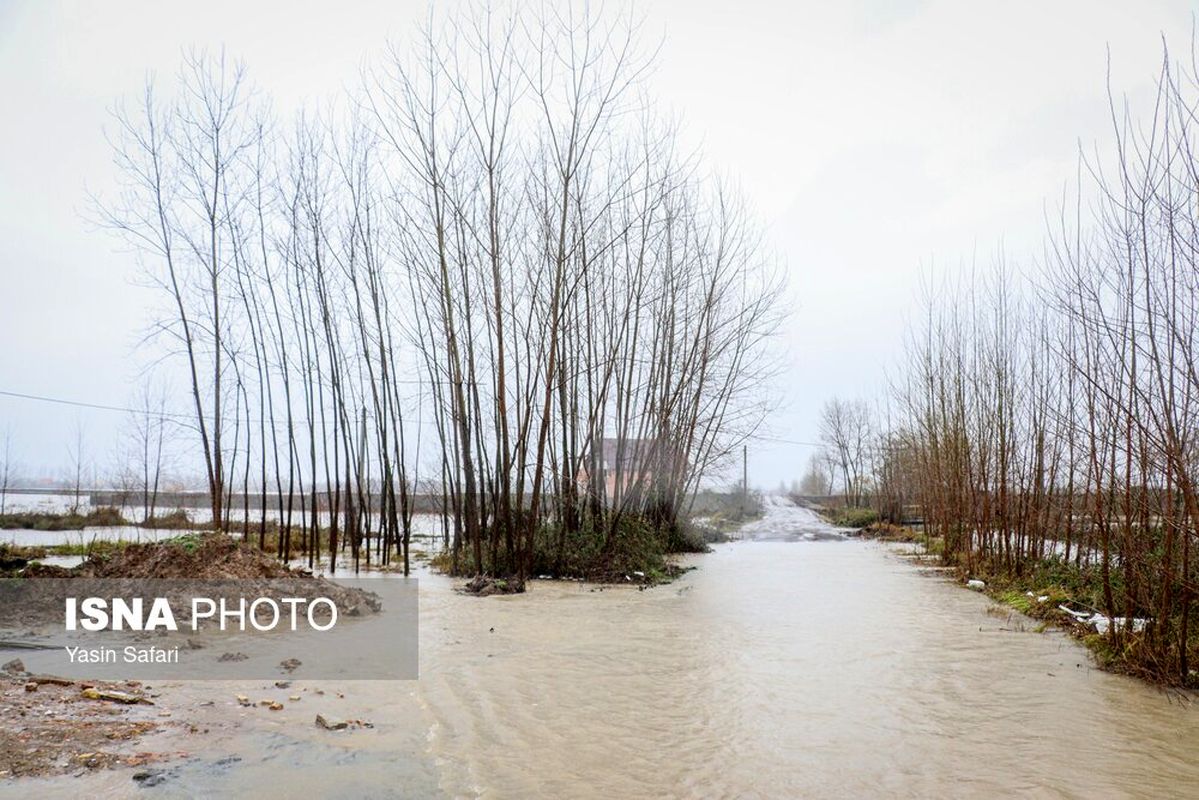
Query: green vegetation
96, 547
14, 556
851, 517
188, 542
17, 556
1061, 583
176, 520
635, 551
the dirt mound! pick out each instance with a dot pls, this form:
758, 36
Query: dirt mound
203, 557
39, 570
201, 564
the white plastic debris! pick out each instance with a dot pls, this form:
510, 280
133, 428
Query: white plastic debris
976, 584
1042, 598
1102, 623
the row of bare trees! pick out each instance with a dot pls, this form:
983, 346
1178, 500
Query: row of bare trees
490, 272
1053, 415
845, 458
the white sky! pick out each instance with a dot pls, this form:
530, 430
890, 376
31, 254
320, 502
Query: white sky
875, 138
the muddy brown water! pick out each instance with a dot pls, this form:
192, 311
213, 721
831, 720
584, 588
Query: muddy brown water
792, 663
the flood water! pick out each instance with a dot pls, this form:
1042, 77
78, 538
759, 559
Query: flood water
793, 663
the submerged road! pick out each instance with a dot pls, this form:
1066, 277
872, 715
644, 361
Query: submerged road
795, 662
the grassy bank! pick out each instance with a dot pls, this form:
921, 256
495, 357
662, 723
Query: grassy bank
849, 517
1045, 587
97, 517
1042, 592
716, 526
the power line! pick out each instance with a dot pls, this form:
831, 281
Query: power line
777, 440
191, 417
98, 406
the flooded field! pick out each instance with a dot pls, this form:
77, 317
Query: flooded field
793, 663
425, 527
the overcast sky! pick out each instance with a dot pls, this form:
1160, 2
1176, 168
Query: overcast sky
876, 139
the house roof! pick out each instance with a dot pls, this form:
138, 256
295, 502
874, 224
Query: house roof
632, 452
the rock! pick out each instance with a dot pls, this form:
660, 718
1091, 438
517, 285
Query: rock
275, 706
149, 777
290, 664
295, 698
31, 686
233, 657
114, 696
331, 725
282, 684
484, 586
340, 725
976, 584
57, 681
14, 666
242, 700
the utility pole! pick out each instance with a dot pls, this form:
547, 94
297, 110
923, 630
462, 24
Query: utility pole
744, 477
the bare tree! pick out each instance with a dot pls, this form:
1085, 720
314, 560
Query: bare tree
148, 424
7, 468
183, 167
79, 465
846, 432
815, 481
